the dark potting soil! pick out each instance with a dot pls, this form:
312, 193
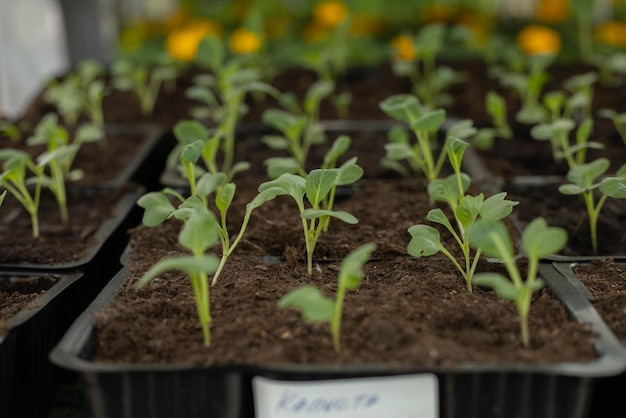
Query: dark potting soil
57, 243
18, 294
407, 311
606, 281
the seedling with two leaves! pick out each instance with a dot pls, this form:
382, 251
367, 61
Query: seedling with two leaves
318, 187
425, 124
317, 308
618, 119
584, 182
538, 241
466, 210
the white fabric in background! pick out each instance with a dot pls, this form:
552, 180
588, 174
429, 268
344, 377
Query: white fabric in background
32, 49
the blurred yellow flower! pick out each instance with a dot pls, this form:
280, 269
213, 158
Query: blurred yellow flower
182, 43
330, 13
244, 41
403, 48
536, 39
552, 11
612, 33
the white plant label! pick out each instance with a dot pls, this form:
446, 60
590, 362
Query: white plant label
407, 396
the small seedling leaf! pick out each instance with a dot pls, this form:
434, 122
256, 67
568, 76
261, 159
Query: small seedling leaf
404, 107
614, 187
200, 231
225, 197
497, 207
540, 240
491, 237
191, 265
425, 241
319, 182
157, 208
430, 121
339, 214
350, 270
500, 284
188, 131
313, 306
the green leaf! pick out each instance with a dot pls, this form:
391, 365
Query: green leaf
614, 187
339, 147
188, 131
462, 129
468, 209
539, 240
398, 151
275, 142
209, 182
264, 196
349, 172
319, 182
289, 184
430, 121
318, 91
313, 306
290, 125
456, 148
425, 241
157, 208
192, 152
447, 189
398, 134
571, 189
497, 207
350, 270
190, 265
202, 94
225, 197
200, 231
339, 214
500, 284
277, 166
404, 107
584, 175
492, 238
211, 53
437, 216
89, 133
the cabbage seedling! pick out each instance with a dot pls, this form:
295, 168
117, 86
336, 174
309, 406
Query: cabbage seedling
558, 132
584, 182
222, 93
143, 82
495, 106
300, 129
198, 234
425, 124
466, 209
316, 187
315, 307
538, 241
13, 179
158, 209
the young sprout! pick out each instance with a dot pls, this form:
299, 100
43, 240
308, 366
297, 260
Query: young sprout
208, 141
50, 133
13, 179
581, 88
81, 91
429, 80
13, 130
528, 81
198, 234
618, 119
558, 133
317, 187
300, 129
495, 106
158, 208
143, 82
315, 307
222, 93
466, 209
584, 182
425, 124
538, 241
